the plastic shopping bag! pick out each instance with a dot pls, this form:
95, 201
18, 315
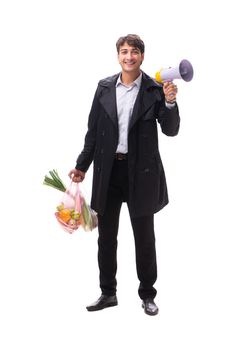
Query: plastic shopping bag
68, 211
73, 210
88, 218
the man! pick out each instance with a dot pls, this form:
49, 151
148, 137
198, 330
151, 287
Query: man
122, 141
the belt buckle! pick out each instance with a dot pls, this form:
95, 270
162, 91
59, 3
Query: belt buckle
120, 156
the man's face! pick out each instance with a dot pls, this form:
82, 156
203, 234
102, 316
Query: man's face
130, 58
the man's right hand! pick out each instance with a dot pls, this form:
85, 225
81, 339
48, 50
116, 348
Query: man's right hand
76, 175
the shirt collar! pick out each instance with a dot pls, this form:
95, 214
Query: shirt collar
136, 82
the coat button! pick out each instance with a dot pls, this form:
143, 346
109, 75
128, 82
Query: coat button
102, 151
146, 170
103, 132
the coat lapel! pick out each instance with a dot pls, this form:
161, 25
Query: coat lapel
145, 99
108, 99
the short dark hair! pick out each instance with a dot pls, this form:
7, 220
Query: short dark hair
132, 40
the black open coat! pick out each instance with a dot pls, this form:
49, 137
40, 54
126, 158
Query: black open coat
147, 182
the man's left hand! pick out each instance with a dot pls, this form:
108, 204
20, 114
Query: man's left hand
170, 91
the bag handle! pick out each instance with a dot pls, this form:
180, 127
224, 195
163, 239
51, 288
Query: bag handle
74, 192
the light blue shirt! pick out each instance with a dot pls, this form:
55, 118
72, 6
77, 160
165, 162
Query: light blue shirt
125, 97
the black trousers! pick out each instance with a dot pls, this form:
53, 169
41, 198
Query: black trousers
143, 229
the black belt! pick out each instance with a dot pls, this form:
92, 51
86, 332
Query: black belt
121, 156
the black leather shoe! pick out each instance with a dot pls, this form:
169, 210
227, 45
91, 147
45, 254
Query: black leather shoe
103, 302
150, 307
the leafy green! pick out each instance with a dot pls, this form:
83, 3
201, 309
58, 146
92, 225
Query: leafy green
54, 181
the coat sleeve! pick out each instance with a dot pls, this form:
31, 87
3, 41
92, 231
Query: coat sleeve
85, 158
168, 119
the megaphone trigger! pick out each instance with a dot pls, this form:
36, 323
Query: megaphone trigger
170, 91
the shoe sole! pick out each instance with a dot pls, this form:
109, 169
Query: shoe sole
101, 308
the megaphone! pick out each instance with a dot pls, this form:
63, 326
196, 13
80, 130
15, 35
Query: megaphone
183, 71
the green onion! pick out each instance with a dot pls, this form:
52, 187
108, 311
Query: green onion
54, 181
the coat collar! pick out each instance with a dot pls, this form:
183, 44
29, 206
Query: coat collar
147, 81
148, 93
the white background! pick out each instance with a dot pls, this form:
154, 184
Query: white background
52, 55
